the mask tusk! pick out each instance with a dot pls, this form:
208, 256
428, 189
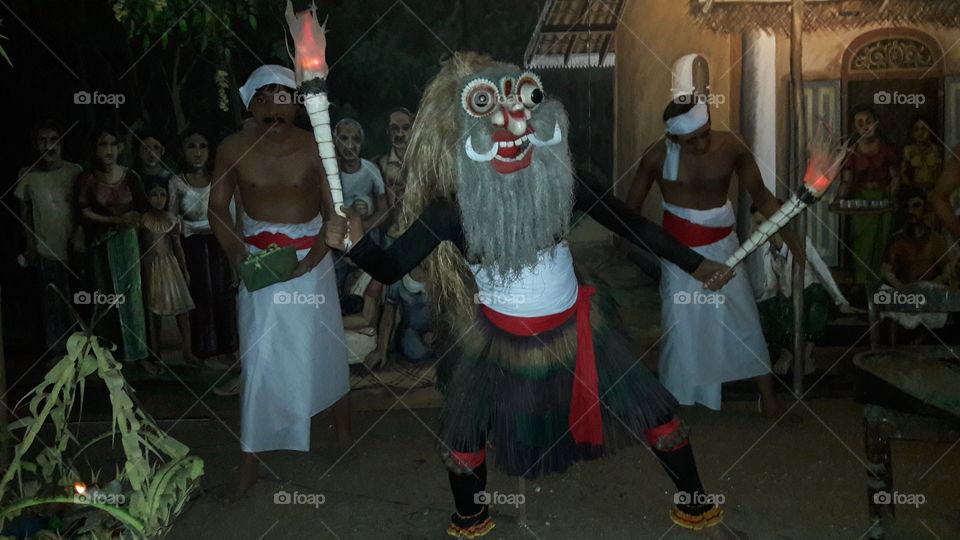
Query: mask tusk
557, 136
472, 154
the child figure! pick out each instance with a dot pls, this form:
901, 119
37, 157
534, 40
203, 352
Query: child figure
165, 272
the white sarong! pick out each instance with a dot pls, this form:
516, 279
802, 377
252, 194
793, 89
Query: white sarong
710, 337
291, 349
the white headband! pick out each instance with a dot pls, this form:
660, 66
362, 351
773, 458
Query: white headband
682, 124
266, 75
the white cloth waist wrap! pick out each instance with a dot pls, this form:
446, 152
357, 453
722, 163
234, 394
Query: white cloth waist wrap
548, 287
292, 349
709, 337
721, 216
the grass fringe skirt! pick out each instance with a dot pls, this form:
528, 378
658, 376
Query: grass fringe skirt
514, 392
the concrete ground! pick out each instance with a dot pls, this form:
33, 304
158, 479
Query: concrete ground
806, 482
777, 482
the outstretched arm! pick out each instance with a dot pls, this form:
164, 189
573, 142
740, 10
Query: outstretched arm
615, 215
439, 222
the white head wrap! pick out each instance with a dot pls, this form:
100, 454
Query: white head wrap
683, 124
266, 75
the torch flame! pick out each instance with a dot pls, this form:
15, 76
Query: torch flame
826, 158
309, 43
80, 488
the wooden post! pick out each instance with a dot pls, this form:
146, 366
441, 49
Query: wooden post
800, 223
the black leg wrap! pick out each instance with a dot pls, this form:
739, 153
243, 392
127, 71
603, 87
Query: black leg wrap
465, 488
682, 469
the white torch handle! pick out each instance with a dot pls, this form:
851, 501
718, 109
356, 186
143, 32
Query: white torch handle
318, 107
768, 228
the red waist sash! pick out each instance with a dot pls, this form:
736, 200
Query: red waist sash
692, 234
586, 424
265, 239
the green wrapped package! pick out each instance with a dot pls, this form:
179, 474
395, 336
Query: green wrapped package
272, 265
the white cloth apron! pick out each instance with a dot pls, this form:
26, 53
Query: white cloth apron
292, 349
548, 287
708, 339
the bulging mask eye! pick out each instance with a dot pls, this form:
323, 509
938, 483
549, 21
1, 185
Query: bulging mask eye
479, 97
530, 90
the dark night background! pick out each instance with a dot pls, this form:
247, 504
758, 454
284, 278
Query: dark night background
382, 53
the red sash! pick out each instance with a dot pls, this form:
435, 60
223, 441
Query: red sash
586, 424
692, 234
265, 239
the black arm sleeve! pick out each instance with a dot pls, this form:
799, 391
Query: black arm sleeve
439, 222
615, 215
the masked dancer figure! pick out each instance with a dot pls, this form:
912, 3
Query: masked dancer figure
537, 365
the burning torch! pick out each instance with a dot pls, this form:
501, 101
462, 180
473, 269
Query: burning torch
824, 165
311, 69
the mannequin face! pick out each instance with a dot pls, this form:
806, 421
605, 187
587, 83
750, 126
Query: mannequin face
157, 197
348, 140
398, 129
866, 124
920, 132
47, 144
150, 152
196, 151
108, 149
915, 208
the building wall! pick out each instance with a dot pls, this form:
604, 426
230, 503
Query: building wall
823, 49
823, 52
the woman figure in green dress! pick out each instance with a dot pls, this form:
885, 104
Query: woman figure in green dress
110, 198
872, 172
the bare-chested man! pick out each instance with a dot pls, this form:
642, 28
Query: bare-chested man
916, 252
708, 338
291, 333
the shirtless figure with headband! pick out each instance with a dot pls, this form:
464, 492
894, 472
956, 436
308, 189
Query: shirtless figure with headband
709, 338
